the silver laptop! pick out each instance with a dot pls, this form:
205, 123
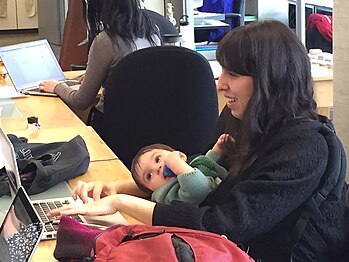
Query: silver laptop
21, 230
30, 63
44, 204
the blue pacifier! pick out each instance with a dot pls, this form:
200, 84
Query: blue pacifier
168, 172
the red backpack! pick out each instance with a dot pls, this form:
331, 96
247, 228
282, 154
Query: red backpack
143, 243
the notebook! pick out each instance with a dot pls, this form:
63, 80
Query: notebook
44, 205
30, 63
21, 230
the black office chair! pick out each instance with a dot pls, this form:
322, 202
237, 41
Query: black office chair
163, 94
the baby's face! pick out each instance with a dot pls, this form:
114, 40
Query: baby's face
150, 169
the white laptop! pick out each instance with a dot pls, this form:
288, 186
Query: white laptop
30, 63
21, 229
44, 205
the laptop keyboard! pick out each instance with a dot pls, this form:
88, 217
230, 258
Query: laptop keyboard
44, 207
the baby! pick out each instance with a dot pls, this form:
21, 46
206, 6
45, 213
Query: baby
189, 183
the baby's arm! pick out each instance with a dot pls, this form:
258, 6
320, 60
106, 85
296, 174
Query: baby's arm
194, 187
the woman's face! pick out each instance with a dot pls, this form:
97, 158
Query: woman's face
237, 89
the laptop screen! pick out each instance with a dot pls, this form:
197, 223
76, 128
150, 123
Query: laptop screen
8, 160
20, 231
30, 63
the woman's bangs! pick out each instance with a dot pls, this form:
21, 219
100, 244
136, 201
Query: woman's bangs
231, 54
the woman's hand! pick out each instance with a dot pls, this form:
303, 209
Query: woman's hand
48, 86
139, 208
104, 206
94, 190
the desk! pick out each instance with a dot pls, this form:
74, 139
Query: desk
106, 171
76, 74
51, 111
323, 87
59, 123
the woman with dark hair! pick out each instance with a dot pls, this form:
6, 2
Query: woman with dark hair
115, 29
277, 162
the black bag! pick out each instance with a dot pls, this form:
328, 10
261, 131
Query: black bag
43, 165
331, 184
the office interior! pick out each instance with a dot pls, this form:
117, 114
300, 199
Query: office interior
18, 31
47, 20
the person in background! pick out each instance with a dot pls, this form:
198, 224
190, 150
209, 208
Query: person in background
115, 29
278, 159
319, 32
161, 171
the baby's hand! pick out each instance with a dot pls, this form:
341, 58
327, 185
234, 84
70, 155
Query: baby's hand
173, 158
224, 138
176, 161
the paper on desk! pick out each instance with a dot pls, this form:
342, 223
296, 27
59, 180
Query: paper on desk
10, 92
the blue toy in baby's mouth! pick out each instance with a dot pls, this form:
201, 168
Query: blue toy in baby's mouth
168, 172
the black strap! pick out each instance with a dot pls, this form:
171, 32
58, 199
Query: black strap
332, 182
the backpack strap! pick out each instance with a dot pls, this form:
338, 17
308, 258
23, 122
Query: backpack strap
331, 184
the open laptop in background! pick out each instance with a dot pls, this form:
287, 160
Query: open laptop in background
30, 63
21, 230
44, 205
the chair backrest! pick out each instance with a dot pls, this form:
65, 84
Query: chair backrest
162, 94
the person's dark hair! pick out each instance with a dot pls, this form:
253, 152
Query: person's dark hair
122, 18
135, 163
270, 53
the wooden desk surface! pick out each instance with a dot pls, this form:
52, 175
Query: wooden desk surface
96, 146
106, 171
59, 123
74, 74
52, 112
